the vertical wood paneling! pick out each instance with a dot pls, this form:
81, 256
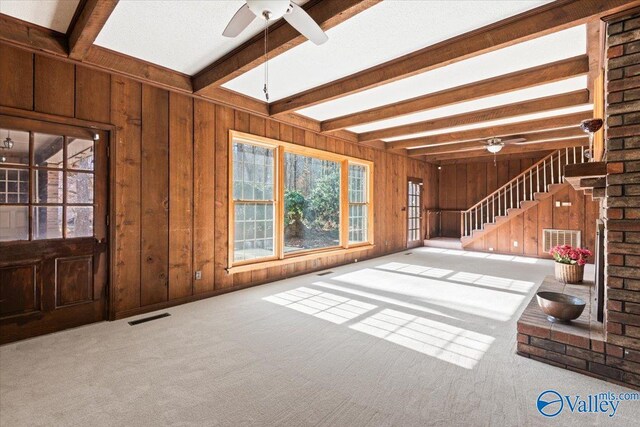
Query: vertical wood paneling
171, 179
54, 90
180, 195
126, 115
93, 94
224, 122
204, 216
16, 83
155, 195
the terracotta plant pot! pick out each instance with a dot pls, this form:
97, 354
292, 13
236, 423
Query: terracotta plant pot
569, 273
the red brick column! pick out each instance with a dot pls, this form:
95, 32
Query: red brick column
622, 202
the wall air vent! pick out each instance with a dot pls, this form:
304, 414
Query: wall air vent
551, 238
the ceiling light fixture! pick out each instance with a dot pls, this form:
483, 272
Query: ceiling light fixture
7, 144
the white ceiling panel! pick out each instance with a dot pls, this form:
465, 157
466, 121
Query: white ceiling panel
52, 14
185, 36
523, 118
543, 50
385, 31
563, 86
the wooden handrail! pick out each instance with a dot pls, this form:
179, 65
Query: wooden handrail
517, 177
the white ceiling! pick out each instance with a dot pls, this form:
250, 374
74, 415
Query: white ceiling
385, 31
523, 118
543, 50
185, 36
563, 86
52, 14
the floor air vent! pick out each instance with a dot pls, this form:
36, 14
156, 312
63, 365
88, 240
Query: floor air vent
551, 238
408, 253
324, 273
148, 319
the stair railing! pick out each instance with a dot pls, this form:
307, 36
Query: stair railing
521, 188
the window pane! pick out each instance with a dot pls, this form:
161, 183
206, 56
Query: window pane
252, 172
253, 231
14, 185
48, 186
80, 154
358, 223
79, 221
14, 223
47, 222
312, 203
79, 187
14, 147
357, 184
48, 150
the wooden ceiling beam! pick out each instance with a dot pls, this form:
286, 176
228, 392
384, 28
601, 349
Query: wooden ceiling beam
85, 29
512, 149
24, 34
552, 135
500, 158
505, 83
546, 103
282, 37
534, 23
547, 123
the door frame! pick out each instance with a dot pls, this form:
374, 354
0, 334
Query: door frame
111, 131
419, 242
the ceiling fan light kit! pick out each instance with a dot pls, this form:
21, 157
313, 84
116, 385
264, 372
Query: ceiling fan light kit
494, 148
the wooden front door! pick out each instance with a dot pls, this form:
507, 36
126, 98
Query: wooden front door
53, 231
414, 212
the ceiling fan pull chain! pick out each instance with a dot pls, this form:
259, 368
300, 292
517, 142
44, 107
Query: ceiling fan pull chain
266, 60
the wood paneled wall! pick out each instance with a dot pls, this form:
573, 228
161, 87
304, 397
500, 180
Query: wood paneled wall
526, 228
463, 185
169, 175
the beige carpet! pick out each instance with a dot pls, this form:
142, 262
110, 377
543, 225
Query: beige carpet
420, 339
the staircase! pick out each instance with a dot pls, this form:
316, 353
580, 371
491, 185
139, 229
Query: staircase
536, 183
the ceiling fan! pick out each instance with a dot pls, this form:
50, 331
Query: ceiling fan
494, 145
271, 10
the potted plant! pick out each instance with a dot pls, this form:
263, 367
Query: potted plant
570, 263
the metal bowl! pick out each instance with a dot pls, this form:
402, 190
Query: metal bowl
561, 308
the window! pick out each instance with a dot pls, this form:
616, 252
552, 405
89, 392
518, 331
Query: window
46, 186
288, 200
311, 203
358, 203
254, 200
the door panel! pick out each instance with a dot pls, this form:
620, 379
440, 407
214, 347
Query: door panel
54, 190
414, 212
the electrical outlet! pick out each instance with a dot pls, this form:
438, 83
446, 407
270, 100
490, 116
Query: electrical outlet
558, 204
515, 243
198, 275
490, 249
355, 260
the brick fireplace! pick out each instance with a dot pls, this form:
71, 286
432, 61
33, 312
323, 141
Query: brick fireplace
622, 202
608, 350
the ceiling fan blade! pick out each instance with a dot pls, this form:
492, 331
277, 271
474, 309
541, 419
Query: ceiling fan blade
239, 22
301, 21
514, 140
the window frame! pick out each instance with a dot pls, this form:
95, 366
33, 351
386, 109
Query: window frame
280, 148
68, 133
